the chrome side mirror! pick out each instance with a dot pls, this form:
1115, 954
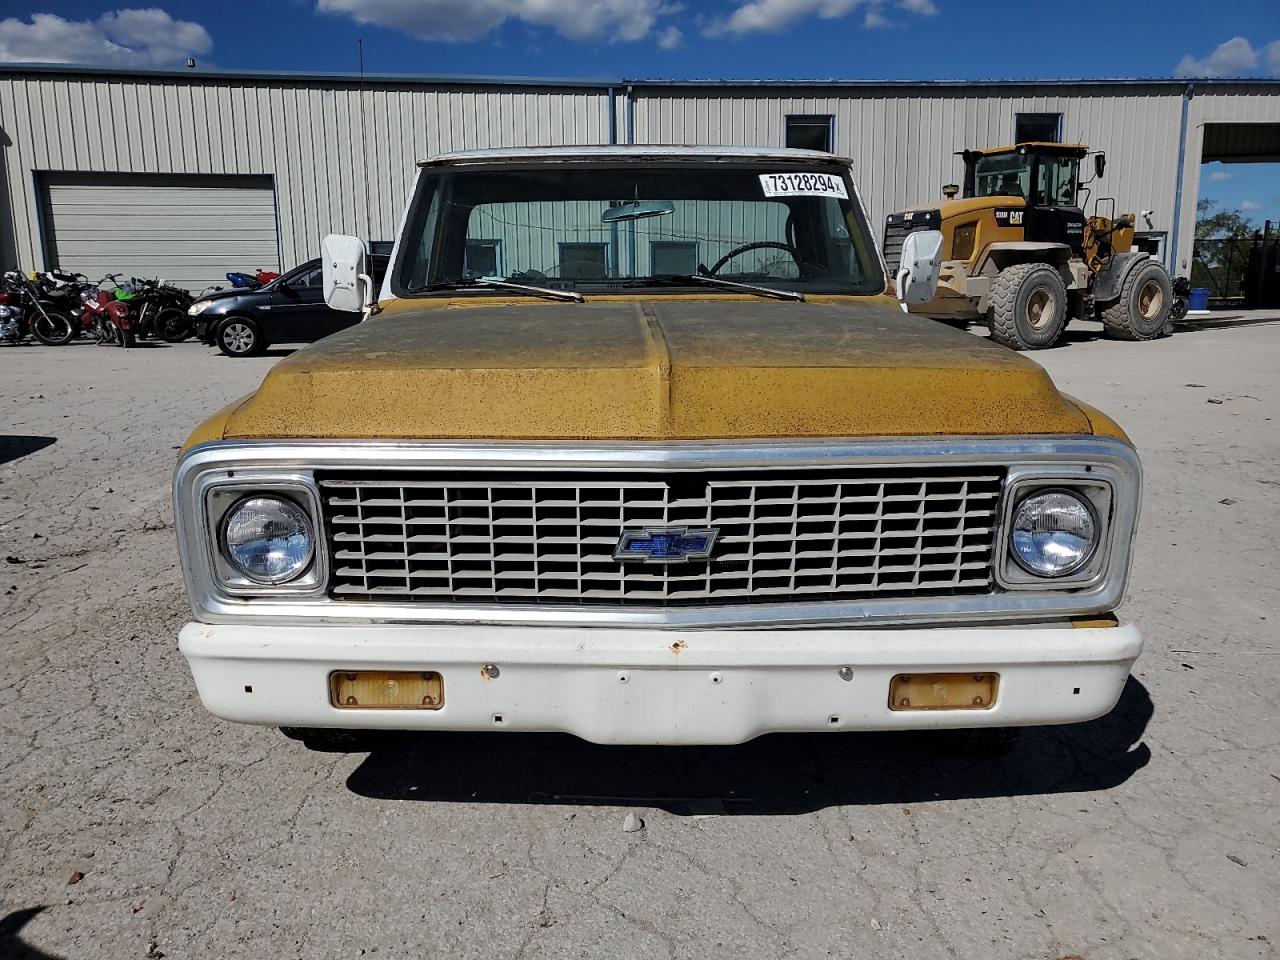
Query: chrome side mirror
347, 285
917, 278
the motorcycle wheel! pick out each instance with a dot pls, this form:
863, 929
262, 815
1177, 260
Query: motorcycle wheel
54, 329
174, 325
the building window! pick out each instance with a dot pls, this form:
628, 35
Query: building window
673, 256
1043, 127
484, 258
584, 261
811, 132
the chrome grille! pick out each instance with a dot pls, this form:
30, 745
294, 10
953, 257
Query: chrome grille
823, 533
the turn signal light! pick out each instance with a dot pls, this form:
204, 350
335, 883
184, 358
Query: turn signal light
943, 691
386, 690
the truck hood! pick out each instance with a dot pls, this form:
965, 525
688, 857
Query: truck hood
653, 369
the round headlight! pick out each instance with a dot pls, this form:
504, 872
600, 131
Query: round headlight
1054, 533
199, 307
268, 539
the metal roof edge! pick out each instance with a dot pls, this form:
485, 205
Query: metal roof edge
302, 76
603, 83
1174, 82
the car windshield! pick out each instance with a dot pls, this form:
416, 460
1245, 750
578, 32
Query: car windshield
1003, 175
576, 227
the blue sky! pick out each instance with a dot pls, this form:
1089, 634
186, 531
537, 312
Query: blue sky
717, 39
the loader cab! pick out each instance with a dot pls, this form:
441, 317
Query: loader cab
1045, 175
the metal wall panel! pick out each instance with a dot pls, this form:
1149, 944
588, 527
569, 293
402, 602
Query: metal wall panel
342, 154
903, 141
188, 230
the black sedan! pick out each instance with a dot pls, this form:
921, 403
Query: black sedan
290, 309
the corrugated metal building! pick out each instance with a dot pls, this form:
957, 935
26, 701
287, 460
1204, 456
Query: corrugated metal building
189, 175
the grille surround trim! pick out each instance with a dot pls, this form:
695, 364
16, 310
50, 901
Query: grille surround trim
1041, 456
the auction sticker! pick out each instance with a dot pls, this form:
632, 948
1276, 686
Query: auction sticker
803, 185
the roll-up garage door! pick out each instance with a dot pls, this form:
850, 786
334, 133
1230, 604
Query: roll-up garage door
188, 230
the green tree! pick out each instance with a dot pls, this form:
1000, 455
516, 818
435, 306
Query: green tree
1213, 224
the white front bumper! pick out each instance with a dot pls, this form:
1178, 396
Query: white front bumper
658, 686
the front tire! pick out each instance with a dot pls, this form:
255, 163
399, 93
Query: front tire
240, 337
54, 330
1146, 297
1028, 307
328, 740
981, 742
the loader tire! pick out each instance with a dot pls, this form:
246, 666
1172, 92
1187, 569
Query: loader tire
1028, 306
1146, 297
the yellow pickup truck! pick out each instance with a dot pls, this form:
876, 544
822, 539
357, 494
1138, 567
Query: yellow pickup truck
632, 444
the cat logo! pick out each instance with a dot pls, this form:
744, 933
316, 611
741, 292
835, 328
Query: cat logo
1009, 218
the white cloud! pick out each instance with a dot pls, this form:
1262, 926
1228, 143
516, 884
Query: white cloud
1250, 206
774, 16
611, 20
874, 19
1273, 58
670, 38
131, 37
1234, 58
1219, 175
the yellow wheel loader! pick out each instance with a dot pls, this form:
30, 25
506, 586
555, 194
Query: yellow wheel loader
1020, 255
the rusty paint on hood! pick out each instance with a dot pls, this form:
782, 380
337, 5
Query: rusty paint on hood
653, 369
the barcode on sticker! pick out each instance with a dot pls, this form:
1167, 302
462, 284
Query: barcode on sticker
803, 185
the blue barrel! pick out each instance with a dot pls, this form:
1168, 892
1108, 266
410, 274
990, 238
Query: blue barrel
1199, 299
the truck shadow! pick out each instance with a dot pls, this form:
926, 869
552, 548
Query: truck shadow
16, 446
778, 774
12, 946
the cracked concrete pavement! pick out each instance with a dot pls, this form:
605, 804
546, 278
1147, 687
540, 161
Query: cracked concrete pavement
1150, 833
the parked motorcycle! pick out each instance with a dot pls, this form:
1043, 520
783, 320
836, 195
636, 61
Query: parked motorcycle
63, 291
1181, 295
251, 281
22, 311
100, 311
162, 311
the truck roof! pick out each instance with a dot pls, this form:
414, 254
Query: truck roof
653, 151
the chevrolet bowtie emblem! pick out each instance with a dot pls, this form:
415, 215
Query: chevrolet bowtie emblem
665, 544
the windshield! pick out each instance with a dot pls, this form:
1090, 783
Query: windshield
597, 228
1004, 175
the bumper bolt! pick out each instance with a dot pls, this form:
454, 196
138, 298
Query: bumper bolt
491, 671
846, 673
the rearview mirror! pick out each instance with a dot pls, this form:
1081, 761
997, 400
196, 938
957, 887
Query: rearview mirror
917, 278
1099, 164
347, 285
637, 210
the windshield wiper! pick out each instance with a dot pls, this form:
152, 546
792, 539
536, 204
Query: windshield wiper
674, 278
465, 283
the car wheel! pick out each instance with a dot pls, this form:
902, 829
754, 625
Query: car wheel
240, 337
